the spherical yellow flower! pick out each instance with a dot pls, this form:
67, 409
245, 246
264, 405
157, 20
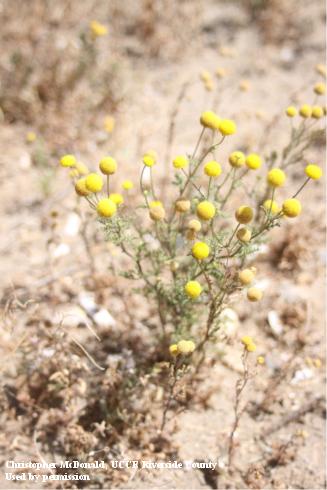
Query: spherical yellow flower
321, 69
157, 213
317, 112
127, 185
227, 127
244, 85
205, 210
246, 340
106, 208
153, 204
313, 171
180, 161
68, 161
209, 85
221, 72
212, 169
149, 160
173, 349
116, 198
305, 111
254, 294
251, 347
182, 206
292, 208
94, 182
260, 360
81, 168
73, 173
97, 29
210, 120
253, 161
108, 165
200, 250
194, 225
109, 124
276, 177
271, 206
320, 88
186, 347
244, 214
205, 76
237, 159
246, 276
80, 187
291, 111
193, 289
244, 235
30, 137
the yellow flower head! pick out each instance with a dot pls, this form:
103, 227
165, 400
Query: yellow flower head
194, 225
246, 340
313, 171
30, 137
251, 347
237, 159
292, 208
173, 349
200, 250
246, 276
320, 88
205, 76
260, 360
205, 210
94, 182
209, 85
68, 161
127, 185
193, 289
276, 177
180, 161
97, 29
291, 111
253, 161
81, 168
149, 160
254, 294
185, 347
244, 85
244, 214
221, 72
116, 198
182, 206
227, 127
305, 111
244, 235
212, 169
317, 112
210, 120
321, 69
80, 187
109, 124
154, 204
106, 208
108, 165
157, 213
271, 206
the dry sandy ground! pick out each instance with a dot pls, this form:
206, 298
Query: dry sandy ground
274, 72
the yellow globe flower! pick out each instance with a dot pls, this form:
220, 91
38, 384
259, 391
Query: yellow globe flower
67, 161
116, 198
317, 112
292, 208
108, 165
212, 169
106, 208
194, 225
276, 177
320, 88
253, 161
260, 360
205, 210
271, 206
97, 29
81, 168
227, 127
246, 276
80, 187
182, 206
321, 69
127, 185
154, 204
94, 182
254, 294
305, 111
200, 250
244, 214
30, 137
313, 171
221, 72
237, 159
185, 347
173, 349
193, 289
180, 161
210, 120
251, 347
205, 76
157, 213
109, 124
246, 340
149, 160
291, 111
244, 235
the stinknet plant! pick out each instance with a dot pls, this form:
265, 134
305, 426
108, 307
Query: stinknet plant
189, 255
